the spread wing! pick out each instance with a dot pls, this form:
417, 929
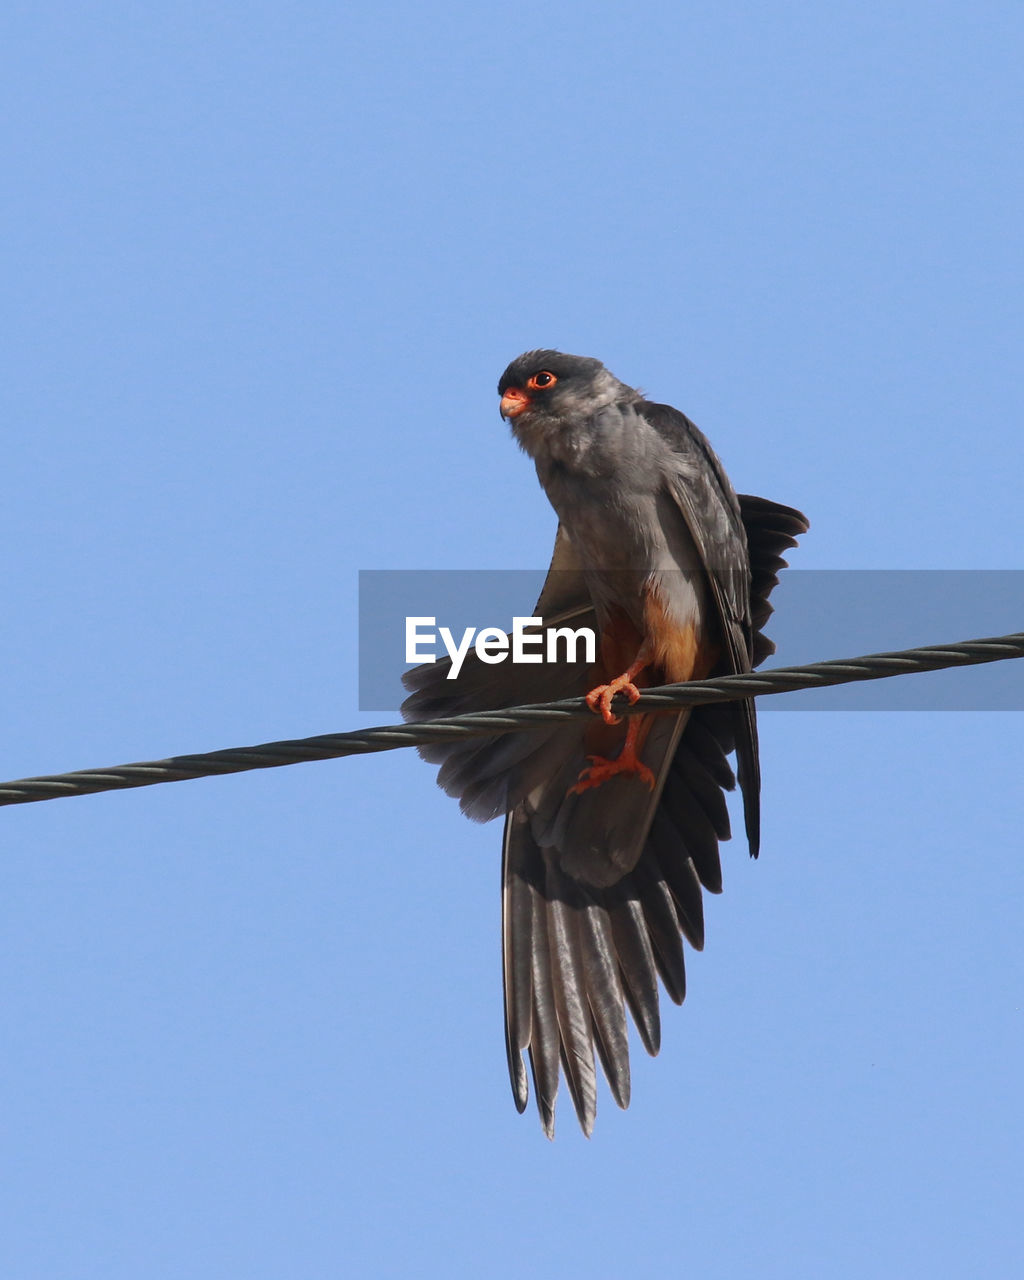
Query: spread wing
576, 955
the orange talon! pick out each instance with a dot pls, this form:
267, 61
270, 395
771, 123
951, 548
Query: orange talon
601, 697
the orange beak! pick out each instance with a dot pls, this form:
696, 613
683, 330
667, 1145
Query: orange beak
513, 402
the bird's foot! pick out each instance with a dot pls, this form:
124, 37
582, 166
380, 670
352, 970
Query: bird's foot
600, 769
600, 698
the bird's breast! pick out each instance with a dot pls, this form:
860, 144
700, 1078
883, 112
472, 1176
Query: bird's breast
630, 544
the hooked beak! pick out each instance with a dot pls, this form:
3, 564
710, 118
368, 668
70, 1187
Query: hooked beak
513, 402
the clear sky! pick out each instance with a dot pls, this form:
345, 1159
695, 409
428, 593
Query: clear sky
262, 266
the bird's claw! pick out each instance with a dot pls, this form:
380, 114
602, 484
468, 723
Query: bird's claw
600, 769
600, 699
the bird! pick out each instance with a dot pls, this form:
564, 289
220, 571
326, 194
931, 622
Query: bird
613, 824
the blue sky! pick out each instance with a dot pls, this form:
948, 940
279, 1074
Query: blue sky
263, 265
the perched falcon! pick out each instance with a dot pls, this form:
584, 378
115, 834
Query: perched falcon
612, 825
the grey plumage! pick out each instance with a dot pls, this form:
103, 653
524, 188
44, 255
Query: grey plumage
600, 885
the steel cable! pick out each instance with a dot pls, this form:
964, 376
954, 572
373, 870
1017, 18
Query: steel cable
272, 755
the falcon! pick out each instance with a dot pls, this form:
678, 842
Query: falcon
612, 825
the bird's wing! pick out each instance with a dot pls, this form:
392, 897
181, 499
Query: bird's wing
711, 510
490, 775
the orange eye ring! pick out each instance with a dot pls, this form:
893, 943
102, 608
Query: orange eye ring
542, 381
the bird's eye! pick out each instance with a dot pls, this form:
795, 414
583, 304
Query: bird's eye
541, 381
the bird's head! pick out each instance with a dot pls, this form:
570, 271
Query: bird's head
545, 385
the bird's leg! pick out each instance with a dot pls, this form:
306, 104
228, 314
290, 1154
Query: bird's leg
599, 699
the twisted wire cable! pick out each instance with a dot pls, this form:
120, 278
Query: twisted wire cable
272, 755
